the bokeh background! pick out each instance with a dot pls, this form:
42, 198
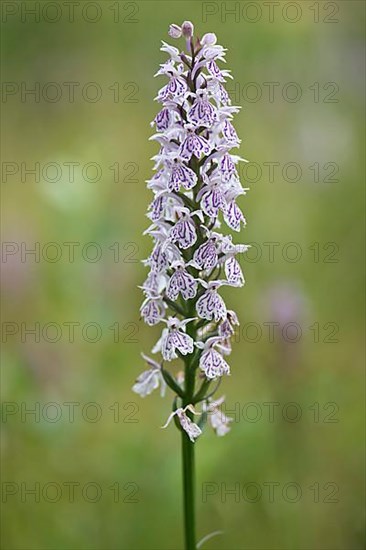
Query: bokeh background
114, 439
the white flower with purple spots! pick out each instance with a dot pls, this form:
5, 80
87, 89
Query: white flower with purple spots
227, 168
192, 430
215, 71
210, 305
158, 259
230, 134
181, 282
175, 88
152, 310
211, 361
202, 113
184, 232
233, 272
181, 175
226, 328
163, 120
212, 199
206, 256
176, 339
233, 216
194, 144
157, 207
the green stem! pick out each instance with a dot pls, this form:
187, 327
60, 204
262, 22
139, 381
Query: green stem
188, 448
188, 492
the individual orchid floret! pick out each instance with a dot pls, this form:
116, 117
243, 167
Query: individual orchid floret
227, 326
233, 272
212, 199
150, 379
212, 362
210, 305
227, 168
184, 231
181, 175
174, 338
216, 418
181, 282
163, 120
175, 88
153, 310
192, 430
230, 134
233, 216
202, 112
157, 207
206, 255
154, 284
158, 261
194, 144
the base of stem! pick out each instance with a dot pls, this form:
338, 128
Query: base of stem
188, 492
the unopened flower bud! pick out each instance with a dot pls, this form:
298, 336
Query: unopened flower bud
187, 29
175, 31
209, 39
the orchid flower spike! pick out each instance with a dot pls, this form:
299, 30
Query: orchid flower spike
196, 208
197, 192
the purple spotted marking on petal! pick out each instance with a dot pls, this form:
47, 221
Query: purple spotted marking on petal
181, 282
202, 113
212, 201
194, 145
227, 167
233, 271
184, 233
163, 120
234, 216
175, 88
229, 133
225, 329
224, 96
206, 255
157, 207
181, 175
152, 312
158, 259
176, 340
213, 364
211, 306
214, 70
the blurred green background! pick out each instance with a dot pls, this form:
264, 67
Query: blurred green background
116, 441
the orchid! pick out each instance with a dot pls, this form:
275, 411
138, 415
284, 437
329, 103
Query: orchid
196, 190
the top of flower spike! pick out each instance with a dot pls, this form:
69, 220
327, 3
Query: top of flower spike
187, 30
